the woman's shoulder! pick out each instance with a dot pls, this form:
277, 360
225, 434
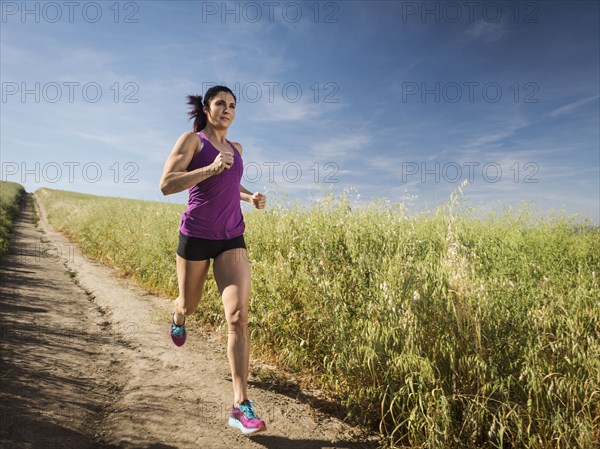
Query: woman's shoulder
191, 141
189, 136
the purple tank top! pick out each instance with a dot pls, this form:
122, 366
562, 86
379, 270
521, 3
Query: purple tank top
214, 210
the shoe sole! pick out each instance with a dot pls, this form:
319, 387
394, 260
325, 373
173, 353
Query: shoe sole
238, 425
178, 341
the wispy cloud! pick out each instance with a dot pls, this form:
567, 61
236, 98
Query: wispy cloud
569, 108
286, 111
486, 31
497, 131
347, 145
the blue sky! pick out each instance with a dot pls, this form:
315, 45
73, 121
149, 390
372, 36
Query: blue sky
399, 100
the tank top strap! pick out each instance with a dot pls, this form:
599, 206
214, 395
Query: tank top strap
235, 150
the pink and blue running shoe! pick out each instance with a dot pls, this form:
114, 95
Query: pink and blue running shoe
244, 418
178, 333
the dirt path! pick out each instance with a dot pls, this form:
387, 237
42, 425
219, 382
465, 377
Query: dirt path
86, 362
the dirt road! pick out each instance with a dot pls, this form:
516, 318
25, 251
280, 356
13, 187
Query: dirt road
86, 362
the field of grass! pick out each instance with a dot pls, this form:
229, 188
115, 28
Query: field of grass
10, 196
442, 330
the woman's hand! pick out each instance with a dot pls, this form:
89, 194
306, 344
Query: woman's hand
258, 200
222, 161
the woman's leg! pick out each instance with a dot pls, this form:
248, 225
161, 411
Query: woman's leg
191, 275
232, 274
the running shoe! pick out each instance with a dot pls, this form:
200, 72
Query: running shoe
178, 333
244, 418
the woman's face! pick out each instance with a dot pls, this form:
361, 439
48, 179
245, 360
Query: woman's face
222, 110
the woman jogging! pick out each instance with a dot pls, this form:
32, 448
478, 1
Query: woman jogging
212, 227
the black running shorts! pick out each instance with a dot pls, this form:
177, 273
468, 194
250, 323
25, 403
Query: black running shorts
193, 248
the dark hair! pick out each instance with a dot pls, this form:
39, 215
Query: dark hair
196, 112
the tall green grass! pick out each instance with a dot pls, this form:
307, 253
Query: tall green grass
10, 198
444, 330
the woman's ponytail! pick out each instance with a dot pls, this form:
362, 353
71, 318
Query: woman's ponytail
197, 112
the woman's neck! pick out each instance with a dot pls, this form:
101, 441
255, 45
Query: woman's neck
215, 135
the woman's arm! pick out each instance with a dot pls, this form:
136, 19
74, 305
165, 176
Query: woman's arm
245, 194
175, 179
257, 199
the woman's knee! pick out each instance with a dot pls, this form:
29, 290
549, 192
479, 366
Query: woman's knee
238, 317
237, 325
